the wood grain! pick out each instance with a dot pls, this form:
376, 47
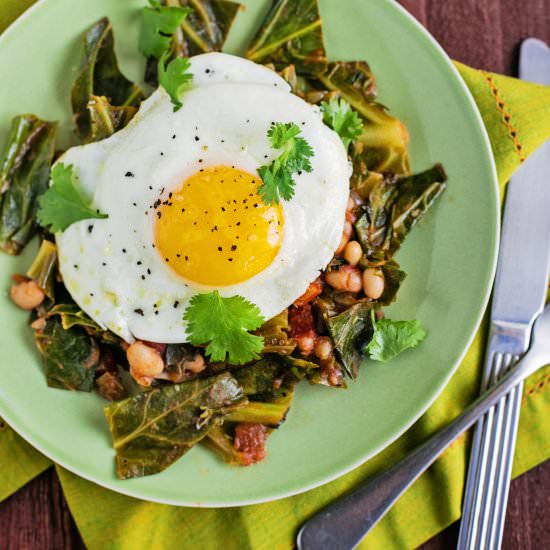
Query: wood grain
481, 33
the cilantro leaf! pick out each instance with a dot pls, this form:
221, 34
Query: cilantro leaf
63, 204
223, 324
158, 26
277, 176
338, 115
174, 78
391, 338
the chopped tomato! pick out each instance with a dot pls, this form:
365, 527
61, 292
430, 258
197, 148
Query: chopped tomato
250, 440
313, 290
302, 328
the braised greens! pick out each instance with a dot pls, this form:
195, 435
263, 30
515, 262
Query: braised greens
154, 429
24, 174
103, 99
232, 384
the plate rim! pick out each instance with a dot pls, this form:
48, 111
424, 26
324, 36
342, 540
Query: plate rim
488, 157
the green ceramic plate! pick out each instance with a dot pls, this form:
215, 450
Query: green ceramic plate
450, 259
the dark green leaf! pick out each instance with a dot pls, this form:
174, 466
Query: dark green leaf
24, 175
204, 30
70, 356
100, 76
154, 429
42, 269
175, 78
349, 330
105, 119
291, 34
393, 207
71, 316
63, 204
391, 338
384, 141
275, 335
393, 277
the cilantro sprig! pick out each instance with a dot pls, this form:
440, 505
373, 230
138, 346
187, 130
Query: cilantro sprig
295, 154
391, 338
63, 204
223, 324
158, 26
338, 115
175, 77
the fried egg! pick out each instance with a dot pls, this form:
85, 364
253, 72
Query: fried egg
184, 214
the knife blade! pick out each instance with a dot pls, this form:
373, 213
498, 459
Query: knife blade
519, 295
524, 258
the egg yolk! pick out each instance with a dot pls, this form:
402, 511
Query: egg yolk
216, 230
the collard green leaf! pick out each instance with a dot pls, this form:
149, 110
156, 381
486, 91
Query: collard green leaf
393, 278
207, 26
417, 193
70, 356
154, 429
203, 30
100, 76
393, 207
275, 335
24, 175
105, 119
384, 140
349, 331
43, 268
291, 34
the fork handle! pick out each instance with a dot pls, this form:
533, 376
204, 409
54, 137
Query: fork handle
343, 524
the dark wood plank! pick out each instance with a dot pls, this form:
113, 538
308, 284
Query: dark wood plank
37, 518
482, 33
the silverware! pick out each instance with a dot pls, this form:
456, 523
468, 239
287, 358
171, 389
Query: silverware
343, 524
519, 294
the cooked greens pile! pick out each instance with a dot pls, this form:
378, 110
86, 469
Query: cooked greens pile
233, 384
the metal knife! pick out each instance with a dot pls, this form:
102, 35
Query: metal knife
519, 294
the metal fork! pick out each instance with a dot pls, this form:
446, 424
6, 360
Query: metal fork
343, 524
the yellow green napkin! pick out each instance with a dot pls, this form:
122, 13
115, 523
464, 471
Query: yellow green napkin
517, 117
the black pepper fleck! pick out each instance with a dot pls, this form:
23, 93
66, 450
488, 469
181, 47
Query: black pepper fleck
129, 175
176, 304
139, 311
90, 228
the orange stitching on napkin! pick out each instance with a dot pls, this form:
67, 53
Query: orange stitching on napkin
503, 109
537, 388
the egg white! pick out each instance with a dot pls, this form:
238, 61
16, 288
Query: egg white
110, 266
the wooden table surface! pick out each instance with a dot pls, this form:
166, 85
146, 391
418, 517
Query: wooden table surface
481, 33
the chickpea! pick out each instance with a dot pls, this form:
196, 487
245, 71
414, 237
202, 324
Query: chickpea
196, 365
27, 295
306, 342
145, 363
323, 347
39, 324
346, 235
347, 278
373, 283
353, 252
